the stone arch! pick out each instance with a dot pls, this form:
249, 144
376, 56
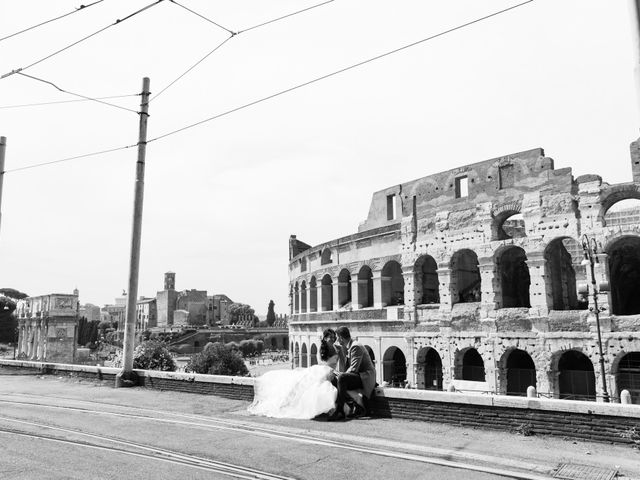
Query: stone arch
628, 375
426, 280
314, 354
428, 369
394, 367
614, 194
365, 287
303, 297
344, 288
296, 355
303, 356
504, 225
513, 272
576, 376
517, 372
470, 365
564, 272
327, 293
624, 274
392, 284
296, 298
465, 277
313, 295
623, 213
325, 256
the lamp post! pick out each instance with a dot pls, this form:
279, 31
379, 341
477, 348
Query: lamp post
590, 250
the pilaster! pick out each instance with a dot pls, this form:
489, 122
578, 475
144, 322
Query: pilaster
355, 292
377, 290
444, 278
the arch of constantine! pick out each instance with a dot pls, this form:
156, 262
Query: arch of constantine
477, 278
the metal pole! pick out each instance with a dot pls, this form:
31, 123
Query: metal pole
127, 378
3, 147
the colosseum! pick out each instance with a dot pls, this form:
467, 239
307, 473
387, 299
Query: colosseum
491, 277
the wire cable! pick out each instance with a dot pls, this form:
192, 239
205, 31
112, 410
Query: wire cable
81, 7
77, 94
191, 68
337, 72
203, 17
81, 40
67, 159
39, 104
285, 16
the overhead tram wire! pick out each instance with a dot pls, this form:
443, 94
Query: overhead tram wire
80, 8
84, 97
337, 72
56, 102
67, 159
231, 33
120, 20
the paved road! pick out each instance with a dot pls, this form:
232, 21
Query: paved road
54, 428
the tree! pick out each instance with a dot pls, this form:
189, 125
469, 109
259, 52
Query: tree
8, 321
217, 359
235, 310
271, 314
153, 355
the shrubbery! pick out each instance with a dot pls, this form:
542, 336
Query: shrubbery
217, 359
153, 355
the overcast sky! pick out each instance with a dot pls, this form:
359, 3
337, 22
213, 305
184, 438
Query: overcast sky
221, 199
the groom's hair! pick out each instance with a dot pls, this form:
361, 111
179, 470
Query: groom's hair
344, 333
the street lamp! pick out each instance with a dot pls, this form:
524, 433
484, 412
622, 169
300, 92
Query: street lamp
590, 250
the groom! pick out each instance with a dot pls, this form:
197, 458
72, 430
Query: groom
359, 373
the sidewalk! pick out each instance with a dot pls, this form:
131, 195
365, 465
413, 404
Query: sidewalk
537, 454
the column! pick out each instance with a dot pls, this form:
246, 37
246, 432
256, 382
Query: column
308, 298
489, 284
411, 371
379, 365
601, 271
410, 295
355, 292
39, 339
540, 290
336, 295
291, 300
377, 289
21, 336
444, 279
319, 296
308, 351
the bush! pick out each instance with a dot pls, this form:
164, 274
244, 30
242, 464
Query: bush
153, 355
217, 359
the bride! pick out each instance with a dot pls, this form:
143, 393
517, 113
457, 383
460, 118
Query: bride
302, 393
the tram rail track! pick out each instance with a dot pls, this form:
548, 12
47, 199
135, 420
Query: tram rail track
399, 451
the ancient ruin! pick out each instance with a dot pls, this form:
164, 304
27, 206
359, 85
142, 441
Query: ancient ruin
477, 279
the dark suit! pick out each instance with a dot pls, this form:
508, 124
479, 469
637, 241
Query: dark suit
360, 373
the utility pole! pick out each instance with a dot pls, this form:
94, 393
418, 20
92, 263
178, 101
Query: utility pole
127, 377
3, 147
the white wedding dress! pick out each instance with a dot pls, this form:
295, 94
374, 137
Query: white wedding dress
302, 393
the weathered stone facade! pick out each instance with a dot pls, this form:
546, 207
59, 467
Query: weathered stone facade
48, 327
473, 278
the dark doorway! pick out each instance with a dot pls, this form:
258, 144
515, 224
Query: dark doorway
514, 278
624, 270
472, 366
429, 370
521, 373
629, 375
577, 380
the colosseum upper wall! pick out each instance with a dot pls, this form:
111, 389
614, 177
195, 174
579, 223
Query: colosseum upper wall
482, 278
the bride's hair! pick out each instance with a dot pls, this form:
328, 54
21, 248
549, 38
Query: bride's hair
326, 350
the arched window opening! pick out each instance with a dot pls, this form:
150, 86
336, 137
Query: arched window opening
514, 278
296, 355
285, 343
303, 297
327, 293
296, 298
426, 281
303, 356
314, 354
512, 227
629, 376
521, 373
394, 367
623, 213
392, 284
303, 264
325, 257
624, 273
465, 277
472, 366
577, 380
344, 288
563, 257
365, 287
274, 343
428, 369
313, 293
